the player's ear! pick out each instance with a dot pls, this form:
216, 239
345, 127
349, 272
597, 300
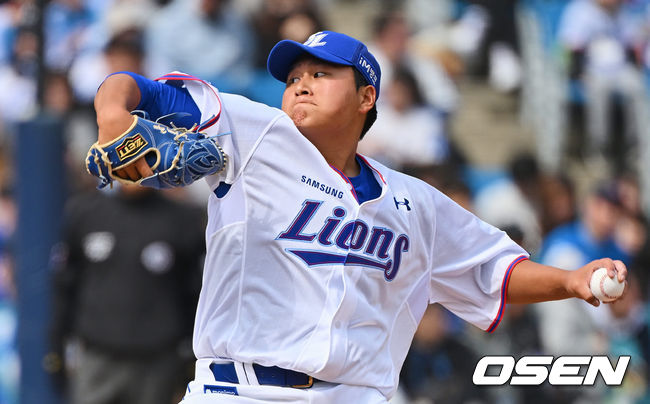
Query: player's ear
367, 97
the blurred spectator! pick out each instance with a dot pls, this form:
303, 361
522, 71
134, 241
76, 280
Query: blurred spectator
10, 14
276, 20
66, 28
641, 265
126, 15
573, 326
486, 34
123, 52
125, 289
390, 46
630, 232
9, 361
628, 331
589, 237
300, 26
458, 192
514, 200
117, 28
79, 127
467, 33
630, 194
18, 79
58, 97
6, 170
407, 130
446, 179
558, 202
425, 14
283, 19
8, 218
603, 38
437, 366
206, 38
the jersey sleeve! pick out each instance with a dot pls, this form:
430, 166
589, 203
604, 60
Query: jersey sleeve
170, 103
471, 264
236, 122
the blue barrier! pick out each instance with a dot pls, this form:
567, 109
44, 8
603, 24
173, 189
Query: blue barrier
40, 197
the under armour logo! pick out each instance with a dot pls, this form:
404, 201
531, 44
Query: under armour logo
405, 202
315, 40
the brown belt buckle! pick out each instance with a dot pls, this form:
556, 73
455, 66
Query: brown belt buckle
304, 386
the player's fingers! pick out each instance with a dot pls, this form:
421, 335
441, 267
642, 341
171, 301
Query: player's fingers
143, 168
593, 301
121, 174
605, 263
580, 283
621, 270
132, 173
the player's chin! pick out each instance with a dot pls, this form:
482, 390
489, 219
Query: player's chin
299, 117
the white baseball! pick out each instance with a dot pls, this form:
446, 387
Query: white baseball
605, 288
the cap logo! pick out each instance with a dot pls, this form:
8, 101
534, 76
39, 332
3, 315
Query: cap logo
315, 40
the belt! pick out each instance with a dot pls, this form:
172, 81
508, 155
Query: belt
272, 376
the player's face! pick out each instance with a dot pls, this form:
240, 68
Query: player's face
321, 97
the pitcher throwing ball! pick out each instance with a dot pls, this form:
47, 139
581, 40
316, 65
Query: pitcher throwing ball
320, 262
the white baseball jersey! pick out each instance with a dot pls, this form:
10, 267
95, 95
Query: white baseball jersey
299, 275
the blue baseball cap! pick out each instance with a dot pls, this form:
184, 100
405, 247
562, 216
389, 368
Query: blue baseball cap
329, 46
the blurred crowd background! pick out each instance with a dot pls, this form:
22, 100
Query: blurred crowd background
533, 114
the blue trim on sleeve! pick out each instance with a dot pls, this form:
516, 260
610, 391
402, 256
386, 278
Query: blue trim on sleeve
160, 99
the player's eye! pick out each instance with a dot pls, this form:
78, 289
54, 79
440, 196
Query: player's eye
319, 74
292, 80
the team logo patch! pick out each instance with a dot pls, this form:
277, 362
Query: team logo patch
316, 40
131, 146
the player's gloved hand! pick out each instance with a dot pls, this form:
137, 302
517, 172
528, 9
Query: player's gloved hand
176, 156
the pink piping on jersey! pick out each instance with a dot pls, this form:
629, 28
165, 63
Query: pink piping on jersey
504, 290
373, 168
183, 76
346, 179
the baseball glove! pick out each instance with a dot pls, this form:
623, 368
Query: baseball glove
177, 156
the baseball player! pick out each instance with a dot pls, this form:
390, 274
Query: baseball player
320, 261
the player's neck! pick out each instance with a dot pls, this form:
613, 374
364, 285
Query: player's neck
339, 154
349, 165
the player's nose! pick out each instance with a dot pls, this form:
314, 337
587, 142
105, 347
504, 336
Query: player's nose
303, 87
